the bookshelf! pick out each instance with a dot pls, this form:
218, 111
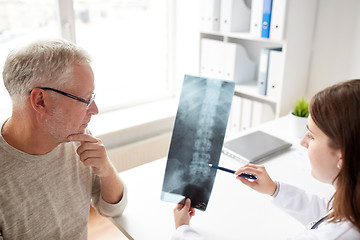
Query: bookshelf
296, 45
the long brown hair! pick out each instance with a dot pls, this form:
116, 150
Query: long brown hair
336, 111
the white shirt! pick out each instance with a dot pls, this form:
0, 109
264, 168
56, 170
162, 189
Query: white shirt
306, 208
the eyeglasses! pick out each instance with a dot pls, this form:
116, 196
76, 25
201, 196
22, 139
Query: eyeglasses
88, 102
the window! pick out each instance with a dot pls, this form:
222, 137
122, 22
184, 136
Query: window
129, 42
21, 22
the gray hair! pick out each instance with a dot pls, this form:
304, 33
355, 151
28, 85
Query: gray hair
44, 63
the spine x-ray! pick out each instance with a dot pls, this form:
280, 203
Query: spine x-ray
197, 140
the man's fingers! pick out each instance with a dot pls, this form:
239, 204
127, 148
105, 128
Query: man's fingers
81, 137
89, 154
89, 162
90, 147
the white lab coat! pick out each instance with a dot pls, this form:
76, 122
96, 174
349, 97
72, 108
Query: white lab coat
306, 208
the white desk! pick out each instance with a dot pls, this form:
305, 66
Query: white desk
234, 210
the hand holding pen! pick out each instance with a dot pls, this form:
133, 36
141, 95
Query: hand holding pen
263, 184
244, 175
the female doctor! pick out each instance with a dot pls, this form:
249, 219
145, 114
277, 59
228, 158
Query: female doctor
333, 143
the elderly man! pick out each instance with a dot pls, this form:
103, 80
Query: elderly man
51, 168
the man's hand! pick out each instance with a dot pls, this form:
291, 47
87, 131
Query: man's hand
92, 153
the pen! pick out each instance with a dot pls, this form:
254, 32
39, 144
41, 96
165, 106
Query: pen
244, 175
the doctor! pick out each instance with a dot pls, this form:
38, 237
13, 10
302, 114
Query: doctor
332, 140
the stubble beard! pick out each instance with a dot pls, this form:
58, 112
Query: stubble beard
57, 126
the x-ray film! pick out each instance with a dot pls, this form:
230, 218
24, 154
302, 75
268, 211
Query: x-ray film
197, 140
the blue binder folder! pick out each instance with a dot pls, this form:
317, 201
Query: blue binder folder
265, 30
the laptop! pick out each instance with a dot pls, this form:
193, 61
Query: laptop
254, 147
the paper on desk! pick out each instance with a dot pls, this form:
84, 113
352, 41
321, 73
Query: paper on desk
197, 139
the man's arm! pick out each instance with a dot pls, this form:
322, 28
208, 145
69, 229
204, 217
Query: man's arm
92, 153
112, 188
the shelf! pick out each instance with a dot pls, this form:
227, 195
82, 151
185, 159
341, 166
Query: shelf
242, 35
249, 90
296, 42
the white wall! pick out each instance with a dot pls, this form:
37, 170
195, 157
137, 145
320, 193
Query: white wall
336, 47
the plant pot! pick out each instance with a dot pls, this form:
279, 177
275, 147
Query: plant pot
298, 125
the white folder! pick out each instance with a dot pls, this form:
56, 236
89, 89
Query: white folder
242, 67
212, 56
261, 113
210, 15
275, 73
235, 115
234, 16
227, 61
230, 58
204, 58
256, 17
246, 113
277, 25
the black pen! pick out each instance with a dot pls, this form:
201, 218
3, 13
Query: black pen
244, 175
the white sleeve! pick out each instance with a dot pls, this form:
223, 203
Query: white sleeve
185, 232
300, 205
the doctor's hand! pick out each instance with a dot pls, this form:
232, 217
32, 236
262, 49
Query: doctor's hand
263, 184
92, 153
183, 213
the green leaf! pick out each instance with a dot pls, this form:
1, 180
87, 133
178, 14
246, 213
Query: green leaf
301, 108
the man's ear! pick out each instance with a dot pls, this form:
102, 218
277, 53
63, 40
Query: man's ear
38, 100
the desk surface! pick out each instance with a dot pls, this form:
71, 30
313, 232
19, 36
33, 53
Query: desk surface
234, 210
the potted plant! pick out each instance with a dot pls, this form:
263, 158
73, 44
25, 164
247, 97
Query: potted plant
298, 117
